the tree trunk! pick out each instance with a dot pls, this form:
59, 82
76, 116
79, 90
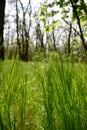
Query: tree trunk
69, 36
54, 42
17, 30
2, 15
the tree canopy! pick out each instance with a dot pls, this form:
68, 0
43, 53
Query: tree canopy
76, 10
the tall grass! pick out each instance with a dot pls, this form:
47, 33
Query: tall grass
64, 96
19, 107
43, 96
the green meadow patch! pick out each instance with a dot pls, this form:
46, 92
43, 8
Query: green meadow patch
48, 95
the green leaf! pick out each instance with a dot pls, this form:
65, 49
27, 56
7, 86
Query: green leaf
46, 28
50, 5
43, 20
54, 12
55, 24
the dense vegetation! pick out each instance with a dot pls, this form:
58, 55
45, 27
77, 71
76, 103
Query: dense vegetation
48, 95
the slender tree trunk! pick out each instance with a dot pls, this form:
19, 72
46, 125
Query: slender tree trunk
17, 30
69, 36
27, 47
2, 15
54, 42
53, 35
42, 44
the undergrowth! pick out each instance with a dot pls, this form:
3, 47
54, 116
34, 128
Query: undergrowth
49, 95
